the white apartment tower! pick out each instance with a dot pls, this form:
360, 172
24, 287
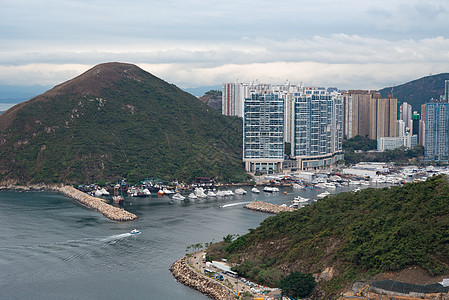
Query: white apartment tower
317, 130
263, 133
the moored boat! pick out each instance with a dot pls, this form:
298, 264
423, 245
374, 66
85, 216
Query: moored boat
255, 190
178, 196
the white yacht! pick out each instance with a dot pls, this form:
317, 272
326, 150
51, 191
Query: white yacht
178, 196
255, 190
240, 191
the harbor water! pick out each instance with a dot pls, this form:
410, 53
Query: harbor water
51, 247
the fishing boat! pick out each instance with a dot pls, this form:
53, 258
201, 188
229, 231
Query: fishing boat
118, 198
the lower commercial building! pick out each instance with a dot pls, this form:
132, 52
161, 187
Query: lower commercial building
391, 143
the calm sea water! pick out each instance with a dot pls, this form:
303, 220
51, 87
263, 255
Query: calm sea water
53, 248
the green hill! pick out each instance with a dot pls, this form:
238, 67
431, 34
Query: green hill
116, 120
349, 236
418, 91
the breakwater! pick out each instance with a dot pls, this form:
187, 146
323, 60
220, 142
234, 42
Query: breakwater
267, 207
191, 278
109, 211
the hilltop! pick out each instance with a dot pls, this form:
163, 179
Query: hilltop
418, 91
348, 237
117, 120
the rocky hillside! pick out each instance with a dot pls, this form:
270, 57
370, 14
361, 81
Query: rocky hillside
213, 99
418, 91
116, 120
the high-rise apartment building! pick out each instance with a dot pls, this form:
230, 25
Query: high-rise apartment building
446, 90
317, 129
366, 113
234, 95
437, 131
263, 133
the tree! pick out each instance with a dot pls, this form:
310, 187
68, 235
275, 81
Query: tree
297, 285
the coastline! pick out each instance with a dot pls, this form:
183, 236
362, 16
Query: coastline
268, 207
111, 212
186, 275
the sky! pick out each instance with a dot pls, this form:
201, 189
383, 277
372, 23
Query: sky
349, 44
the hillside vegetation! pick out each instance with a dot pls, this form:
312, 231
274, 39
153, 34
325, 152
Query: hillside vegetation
350, 236
418, 91
113, 121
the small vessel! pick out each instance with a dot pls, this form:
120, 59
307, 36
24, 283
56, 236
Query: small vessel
255, 190
211, 194
300, 199
240, 191
178, 196
270, 189
118, 198
192, 196
323, 194
135, 231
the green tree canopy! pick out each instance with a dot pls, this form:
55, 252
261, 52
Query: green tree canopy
297, 285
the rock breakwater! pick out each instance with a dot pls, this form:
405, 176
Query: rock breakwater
109, 211
191, 278
267, 207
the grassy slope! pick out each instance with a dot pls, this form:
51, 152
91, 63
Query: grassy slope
358, 234
132, 126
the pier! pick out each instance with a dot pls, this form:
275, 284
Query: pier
268, 207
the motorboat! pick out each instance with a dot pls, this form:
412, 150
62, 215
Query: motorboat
178, 196
135, 231
300, 199
323, 194
192, 196
211, 194
296, 186
255, 190
240, 191
167, 191
228, 193
270, 189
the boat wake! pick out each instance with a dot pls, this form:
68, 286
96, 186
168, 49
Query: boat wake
234, 204
63, 251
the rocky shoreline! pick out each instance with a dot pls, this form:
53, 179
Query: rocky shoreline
191, 278
268, 207
109, 211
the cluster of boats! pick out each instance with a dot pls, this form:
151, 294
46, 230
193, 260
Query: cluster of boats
200, 192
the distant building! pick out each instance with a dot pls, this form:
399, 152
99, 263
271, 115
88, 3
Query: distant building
391, 143
263, 133
366, 113
436, 147
446, 90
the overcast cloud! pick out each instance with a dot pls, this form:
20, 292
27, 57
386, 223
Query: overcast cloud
349, 44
